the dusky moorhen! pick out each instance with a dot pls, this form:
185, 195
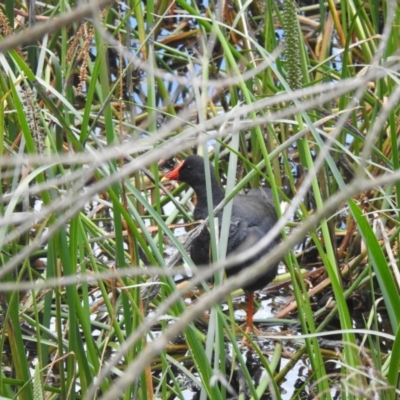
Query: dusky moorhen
253, 215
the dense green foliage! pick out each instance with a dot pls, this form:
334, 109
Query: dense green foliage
91, 113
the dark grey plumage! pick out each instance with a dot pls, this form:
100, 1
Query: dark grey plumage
253, 215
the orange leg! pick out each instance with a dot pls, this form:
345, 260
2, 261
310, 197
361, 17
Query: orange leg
250, 328
249, 321
250, 311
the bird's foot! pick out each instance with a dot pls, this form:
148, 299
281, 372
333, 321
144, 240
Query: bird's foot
249, 330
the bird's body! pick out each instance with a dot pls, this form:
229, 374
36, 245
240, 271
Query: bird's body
251, 218
253, 215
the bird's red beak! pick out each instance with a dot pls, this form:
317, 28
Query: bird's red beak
174, 174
